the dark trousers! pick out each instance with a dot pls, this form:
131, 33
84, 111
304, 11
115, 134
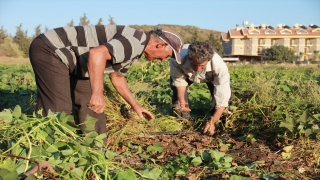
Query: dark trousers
58, 90
175, 93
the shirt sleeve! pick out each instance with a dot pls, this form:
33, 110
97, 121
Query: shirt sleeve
177, 75
221, 82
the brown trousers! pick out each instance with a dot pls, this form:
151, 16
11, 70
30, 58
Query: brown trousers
58, 90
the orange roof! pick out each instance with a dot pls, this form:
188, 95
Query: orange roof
272, 33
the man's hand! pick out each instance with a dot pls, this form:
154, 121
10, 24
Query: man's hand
210, 127
142, 112
97, 103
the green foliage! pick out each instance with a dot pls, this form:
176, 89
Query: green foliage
215, 41
11, 49
21, 38
111, 20
100, 22
279, 53
3, 35
84, 21
37, 31
71, 23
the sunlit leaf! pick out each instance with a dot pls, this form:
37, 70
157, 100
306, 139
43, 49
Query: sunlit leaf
196, 161
155, 147
16, 112
110, 154
52, 148
90, 123
67, 152
236, 177
125, 174
6, 115
288, 123
216, 155
152, 173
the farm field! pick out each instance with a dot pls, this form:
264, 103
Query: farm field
270, 132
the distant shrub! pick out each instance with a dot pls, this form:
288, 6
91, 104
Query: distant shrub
10, 48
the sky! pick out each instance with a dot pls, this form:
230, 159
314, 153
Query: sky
219, 15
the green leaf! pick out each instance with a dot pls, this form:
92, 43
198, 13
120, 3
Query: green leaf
181, 172
110, 154
307, 132
288, 123
12, 175
205, 156
125, 175
16, 112
90, 123
236, 177
82, 162
227, 159
52, 148
88, 139
155, 147
78, 172
152, 173
285, 88
216, 155
6, 115
196, 161
67, 152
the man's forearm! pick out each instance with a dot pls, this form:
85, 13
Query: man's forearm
120, 84
217, 114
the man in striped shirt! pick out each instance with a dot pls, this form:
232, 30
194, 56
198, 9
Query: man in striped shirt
69, 63
200, 64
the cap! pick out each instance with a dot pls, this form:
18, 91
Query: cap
173, 39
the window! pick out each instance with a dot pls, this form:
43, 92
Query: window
302, 32
254, 32
285, 31
270, 32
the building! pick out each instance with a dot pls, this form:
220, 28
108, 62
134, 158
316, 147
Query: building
251, 42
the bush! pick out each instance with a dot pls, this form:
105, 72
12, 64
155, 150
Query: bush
10, 48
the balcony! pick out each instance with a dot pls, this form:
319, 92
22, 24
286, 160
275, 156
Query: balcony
293, 43
308, 52
275, 44
308, 43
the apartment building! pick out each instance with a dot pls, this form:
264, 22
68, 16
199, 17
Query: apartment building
251, 42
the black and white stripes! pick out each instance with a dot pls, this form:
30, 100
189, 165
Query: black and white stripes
72, 45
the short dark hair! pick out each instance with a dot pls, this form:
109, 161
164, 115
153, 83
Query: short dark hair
200, 51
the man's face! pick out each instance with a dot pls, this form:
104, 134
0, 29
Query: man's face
158, 51
196, 66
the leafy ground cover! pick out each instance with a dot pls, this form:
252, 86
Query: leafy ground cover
270, 132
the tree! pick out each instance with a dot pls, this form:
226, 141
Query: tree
3, 35
100, 22
71, 23
10, 48
84, 20
37, 31
46, 28
111, 21
215, 41
23, 41
195, 35
279, 53
316, 56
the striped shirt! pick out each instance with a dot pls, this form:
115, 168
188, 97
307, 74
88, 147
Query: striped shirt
72, 45
216, 71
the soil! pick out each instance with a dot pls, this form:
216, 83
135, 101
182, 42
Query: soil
303, 163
